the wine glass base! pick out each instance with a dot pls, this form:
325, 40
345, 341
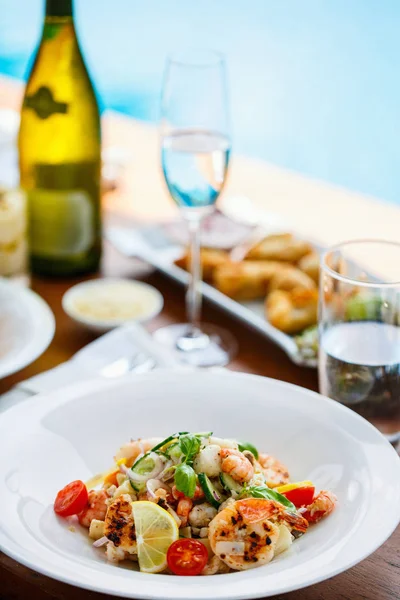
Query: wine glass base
213, 347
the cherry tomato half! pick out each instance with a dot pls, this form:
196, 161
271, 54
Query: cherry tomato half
71, 500
187, 557
301, 496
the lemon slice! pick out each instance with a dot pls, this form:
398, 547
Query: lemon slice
155, 532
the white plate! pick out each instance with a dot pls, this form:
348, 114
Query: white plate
54, 439
26, 327
120, 291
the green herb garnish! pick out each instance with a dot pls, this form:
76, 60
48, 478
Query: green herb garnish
247, 446
261, 491
189, 445
185, 479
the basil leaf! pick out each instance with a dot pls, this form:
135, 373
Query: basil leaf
185, 480
190, 445
264, 492
247, 446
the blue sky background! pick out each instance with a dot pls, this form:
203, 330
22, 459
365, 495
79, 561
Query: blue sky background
315, 84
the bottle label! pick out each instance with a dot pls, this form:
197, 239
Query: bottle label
42, 102
61, 222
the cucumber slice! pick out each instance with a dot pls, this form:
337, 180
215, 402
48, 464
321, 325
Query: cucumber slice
212, 495
173, 451
141, 466
167, 440
137, 487
229, 484
144, 465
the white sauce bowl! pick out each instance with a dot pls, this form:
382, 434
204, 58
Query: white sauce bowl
102, 304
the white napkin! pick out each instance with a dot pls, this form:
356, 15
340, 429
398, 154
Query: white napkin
108, 356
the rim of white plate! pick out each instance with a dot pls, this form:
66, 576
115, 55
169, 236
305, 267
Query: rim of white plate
44, 325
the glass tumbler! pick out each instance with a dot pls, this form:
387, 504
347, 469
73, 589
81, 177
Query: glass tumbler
359, 330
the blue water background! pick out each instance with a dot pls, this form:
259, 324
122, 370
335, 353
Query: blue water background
315, 84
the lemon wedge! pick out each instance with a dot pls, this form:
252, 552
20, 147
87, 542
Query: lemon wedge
156, 530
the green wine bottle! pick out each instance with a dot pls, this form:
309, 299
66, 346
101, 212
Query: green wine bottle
60, 152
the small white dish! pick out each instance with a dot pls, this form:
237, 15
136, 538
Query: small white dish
56, 438
102, 304
27, 327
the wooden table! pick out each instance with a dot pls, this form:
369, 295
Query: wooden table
377, 578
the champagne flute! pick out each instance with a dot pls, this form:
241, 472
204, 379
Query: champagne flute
195, 149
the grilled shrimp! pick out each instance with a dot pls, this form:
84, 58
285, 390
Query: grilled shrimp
119, 528
96, 508
322, 506
134, 448
235, 464
245, 534
274, 471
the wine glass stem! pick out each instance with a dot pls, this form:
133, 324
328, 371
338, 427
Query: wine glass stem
193, 294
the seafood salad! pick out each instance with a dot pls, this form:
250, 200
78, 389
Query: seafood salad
194, 504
